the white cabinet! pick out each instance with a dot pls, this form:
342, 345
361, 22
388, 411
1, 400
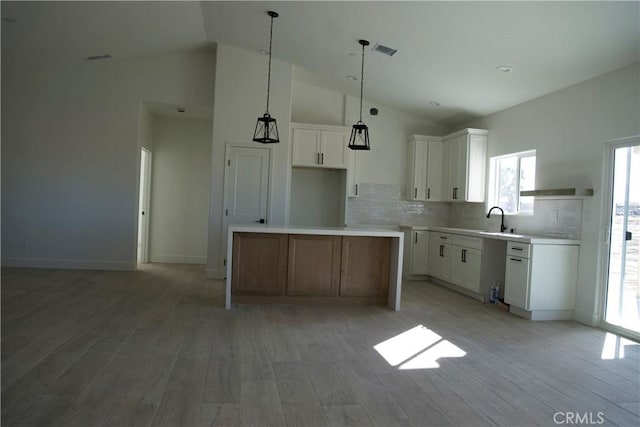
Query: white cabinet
466, 267
440, 255
416, 252
353, 176
424, 168
540, 280
320, 146
466, 159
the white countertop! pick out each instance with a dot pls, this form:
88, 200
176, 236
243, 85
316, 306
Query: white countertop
327, 231
513, 237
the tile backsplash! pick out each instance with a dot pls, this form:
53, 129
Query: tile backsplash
552, 217
384, 204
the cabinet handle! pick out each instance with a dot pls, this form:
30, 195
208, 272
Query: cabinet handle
356, 189
416, 238
415, 192
443, 237
442, 250
317, 158
322, 159
428, 193
455, 193
515, 259
517, 249
463, 257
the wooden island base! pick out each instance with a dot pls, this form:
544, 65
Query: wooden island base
317, 266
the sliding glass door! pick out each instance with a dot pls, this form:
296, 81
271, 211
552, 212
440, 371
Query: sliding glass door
622, 308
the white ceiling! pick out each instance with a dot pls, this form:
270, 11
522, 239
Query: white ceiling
447, 51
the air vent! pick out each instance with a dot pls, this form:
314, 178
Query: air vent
384, 49
98, 57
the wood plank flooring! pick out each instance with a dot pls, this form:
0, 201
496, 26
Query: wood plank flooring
156, 348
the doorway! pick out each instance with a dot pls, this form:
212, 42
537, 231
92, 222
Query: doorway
143, 206
622, 298
246, 191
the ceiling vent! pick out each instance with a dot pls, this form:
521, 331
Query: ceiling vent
98, 57
384, 49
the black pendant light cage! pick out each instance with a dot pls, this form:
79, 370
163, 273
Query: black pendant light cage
359, 139
266, 131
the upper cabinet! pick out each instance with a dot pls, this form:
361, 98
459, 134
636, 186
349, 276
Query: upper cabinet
320, 146
424, 168
465, 154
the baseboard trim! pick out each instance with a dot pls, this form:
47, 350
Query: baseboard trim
215, 273
69, 264
590, 319
178, 259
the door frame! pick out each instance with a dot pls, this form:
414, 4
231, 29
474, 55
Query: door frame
146, 196
225, 193
607, 212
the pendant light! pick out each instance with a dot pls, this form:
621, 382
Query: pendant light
266, 131
360, 132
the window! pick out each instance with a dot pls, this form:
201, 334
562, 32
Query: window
511, 174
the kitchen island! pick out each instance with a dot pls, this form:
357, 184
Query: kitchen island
302, 265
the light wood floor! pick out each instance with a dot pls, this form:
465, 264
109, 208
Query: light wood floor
155, 348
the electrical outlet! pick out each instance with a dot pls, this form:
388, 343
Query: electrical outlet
554, 216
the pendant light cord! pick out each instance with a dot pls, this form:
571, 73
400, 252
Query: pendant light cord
361, 82
269, 73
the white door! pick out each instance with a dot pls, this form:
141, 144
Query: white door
247, 185
623, 282
143, 206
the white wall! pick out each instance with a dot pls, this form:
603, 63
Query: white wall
70, 154
569, 130
316, 196
181, 174
240, 97
312, 104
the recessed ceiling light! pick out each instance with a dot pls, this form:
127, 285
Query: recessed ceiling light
263, 52
504, 68
350, 77
434, 103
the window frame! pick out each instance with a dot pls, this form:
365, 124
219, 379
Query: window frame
494, 181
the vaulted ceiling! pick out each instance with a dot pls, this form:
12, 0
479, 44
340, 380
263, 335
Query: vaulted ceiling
447, 51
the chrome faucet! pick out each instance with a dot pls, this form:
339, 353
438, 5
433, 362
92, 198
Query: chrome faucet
502, 227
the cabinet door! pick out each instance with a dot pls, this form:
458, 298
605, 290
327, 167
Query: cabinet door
434, 266
353, 178
516, 282
473, 269
453, 173
417, 183
259, 264
475, 168
419, 252
434, 171
334, 152
458, 267
305, 147
365, 266
314, 265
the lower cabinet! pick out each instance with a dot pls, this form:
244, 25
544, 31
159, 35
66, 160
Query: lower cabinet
456, 259
314, 265
365, 266
416, 253
540, 280
259, 264
275, 267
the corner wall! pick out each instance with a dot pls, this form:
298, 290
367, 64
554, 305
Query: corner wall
569, 130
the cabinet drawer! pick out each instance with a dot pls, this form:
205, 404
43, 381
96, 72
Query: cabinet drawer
435, 236
467, 242
519, 249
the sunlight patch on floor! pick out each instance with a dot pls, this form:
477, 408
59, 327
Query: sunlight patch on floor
417, 348
613, 346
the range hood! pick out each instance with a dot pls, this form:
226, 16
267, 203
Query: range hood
558, 192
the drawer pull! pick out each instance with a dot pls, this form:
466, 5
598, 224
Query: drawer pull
517, 249
443, 237
515, 259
